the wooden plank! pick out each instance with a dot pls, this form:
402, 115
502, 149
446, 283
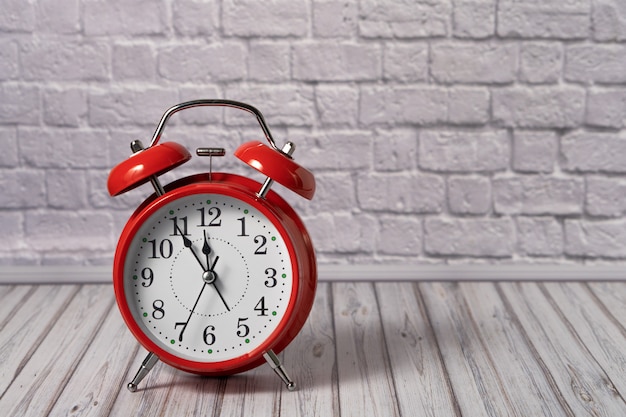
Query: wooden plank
421, 382
613, 296
365, 383
38, 384
256, 392
12, 297
310, 361
28, 327
152, 393
565, 359
520, 373
477, 385
590, 321
98, 378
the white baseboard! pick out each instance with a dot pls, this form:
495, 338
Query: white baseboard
327, 272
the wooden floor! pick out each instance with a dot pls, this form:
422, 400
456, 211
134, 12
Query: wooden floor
385, 349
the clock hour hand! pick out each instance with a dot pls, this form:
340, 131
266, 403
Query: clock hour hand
189, 244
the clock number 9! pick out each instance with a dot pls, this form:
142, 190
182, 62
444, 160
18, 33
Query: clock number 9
147, 275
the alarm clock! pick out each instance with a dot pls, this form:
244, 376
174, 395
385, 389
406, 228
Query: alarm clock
214, 273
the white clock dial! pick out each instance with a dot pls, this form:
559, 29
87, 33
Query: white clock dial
208, 277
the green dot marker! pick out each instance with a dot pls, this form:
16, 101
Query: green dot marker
210, 351
273, 238
145, 239
273, 313
284, 275
171, 211
245, 211
209, 202
172, 341
134, 276
145, 314
247, 340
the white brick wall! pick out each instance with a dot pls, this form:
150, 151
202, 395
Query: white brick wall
451, 130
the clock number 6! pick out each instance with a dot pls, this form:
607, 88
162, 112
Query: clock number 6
209, 336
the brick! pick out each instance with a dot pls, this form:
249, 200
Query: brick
19, 104
469, 195
8, 142
402, 19
66, 189
64, 107
334, 19
543, 19
538, 107
131, 106
279, 18
534, 151
401, 192
595, 239
608, 20
342, 233
466, 62
22, 189
195, 17
541, 62
474, 19
332, 61
124, 17
17, 16
9, 62
59, 20
492, 238
269, 61
333, 150
536, 195
395, 150
134, 62
594, 152
588, 63
334, 192
63, 148
405, 62
337, 105
393, 105
468, 106
399, 236
470, 151
69, 231
52, 60
539, 236
12, 225
606, 196
190, 62
292, 105
606, 107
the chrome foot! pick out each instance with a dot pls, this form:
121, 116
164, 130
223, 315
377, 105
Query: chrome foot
144, 369
278, 367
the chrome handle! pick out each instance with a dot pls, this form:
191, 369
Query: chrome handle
216, 102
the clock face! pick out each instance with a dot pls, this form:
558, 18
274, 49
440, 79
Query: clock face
208, 277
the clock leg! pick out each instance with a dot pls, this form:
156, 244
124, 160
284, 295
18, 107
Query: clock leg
278, 367
146, 366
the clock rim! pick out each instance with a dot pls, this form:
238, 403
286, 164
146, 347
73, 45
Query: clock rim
292, 231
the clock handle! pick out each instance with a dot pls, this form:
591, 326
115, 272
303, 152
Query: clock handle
213, 102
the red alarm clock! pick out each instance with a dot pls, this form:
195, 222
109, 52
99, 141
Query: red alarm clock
214, 273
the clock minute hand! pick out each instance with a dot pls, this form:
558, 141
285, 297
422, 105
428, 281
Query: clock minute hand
189, 244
